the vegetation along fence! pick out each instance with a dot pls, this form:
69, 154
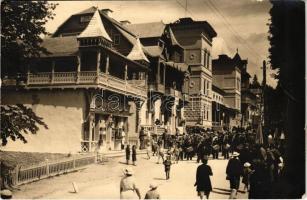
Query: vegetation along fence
22, 175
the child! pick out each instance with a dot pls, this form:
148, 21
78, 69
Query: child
167, 166
152, 193
134, 155
127, 154
246, 174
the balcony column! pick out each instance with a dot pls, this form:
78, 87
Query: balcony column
126, 72
52, 71
139, 103
78, 67
158, 74
28, 74
90, 138
98, 65
107, 64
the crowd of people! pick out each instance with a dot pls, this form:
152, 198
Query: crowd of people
257, 166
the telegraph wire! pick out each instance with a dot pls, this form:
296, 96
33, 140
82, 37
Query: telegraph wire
239, 38
186, 8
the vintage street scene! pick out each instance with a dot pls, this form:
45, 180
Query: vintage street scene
178, 99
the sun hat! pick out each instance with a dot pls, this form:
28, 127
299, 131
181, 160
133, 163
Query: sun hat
153, 185
247, 164
6, 194
235, 154
128, 171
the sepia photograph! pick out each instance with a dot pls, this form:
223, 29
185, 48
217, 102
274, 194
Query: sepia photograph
165, 99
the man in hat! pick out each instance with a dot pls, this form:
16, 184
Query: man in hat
153, 192
6, 194
203, 182
167, 166
234, 171
128, 188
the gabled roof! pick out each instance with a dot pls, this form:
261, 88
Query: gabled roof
147, 30
153, 51
173, 38
61, 46
182, 67
95, 28
137, 52
87, 11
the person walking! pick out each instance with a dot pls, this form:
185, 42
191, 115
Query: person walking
134, 155
234, 171
246, 175
167, 167
127, 154
203, 182
153, 192
160, 154
128, 187
148, 150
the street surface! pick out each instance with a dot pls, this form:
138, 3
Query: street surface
102, 181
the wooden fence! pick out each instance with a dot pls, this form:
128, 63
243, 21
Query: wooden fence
22, 175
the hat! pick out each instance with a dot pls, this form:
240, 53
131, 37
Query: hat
247, 164
6, 193
128, 171
153, 185
235, 154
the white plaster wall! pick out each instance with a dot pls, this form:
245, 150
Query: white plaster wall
61, 110
157, 107
143, 113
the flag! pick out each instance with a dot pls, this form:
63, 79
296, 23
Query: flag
259, 135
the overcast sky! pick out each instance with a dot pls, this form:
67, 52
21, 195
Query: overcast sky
240, 24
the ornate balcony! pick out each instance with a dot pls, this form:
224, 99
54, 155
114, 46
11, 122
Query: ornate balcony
85, 79
157, 87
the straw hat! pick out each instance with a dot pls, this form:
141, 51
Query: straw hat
153, 185
247, 164
6, 194
128, 171
235, 154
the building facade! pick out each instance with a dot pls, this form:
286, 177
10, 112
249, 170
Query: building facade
90, 85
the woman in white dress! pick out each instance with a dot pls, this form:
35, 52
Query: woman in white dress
128, 188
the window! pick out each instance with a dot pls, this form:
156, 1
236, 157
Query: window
205, 58
205, 85
208, 88
85, 18
208, 56
116, 39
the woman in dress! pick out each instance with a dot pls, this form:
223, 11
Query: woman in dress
128, 188
127, 154
203, 182
134, 154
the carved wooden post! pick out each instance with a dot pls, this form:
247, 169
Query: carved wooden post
52, 71
158, 73
28, 74
126, 72
98, 65
91, 119
78, 67
107, 64
164, 72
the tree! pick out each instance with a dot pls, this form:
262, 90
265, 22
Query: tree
21, 30
255, 82
287, 55
17, 120
22, 25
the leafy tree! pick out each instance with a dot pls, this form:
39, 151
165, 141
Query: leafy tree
17, 120
287, 54
22, 25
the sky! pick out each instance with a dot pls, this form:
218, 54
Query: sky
240, 24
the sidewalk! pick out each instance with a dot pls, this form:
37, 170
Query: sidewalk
120, 153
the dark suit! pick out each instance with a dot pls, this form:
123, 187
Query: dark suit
203, 181
234, 171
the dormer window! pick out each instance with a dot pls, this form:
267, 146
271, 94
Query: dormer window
86, 18
116, 39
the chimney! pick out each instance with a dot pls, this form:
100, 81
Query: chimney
125, 22
107, 11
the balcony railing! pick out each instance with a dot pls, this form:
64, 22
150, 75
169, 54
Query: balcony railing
86, 77
172, 92
158, 87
